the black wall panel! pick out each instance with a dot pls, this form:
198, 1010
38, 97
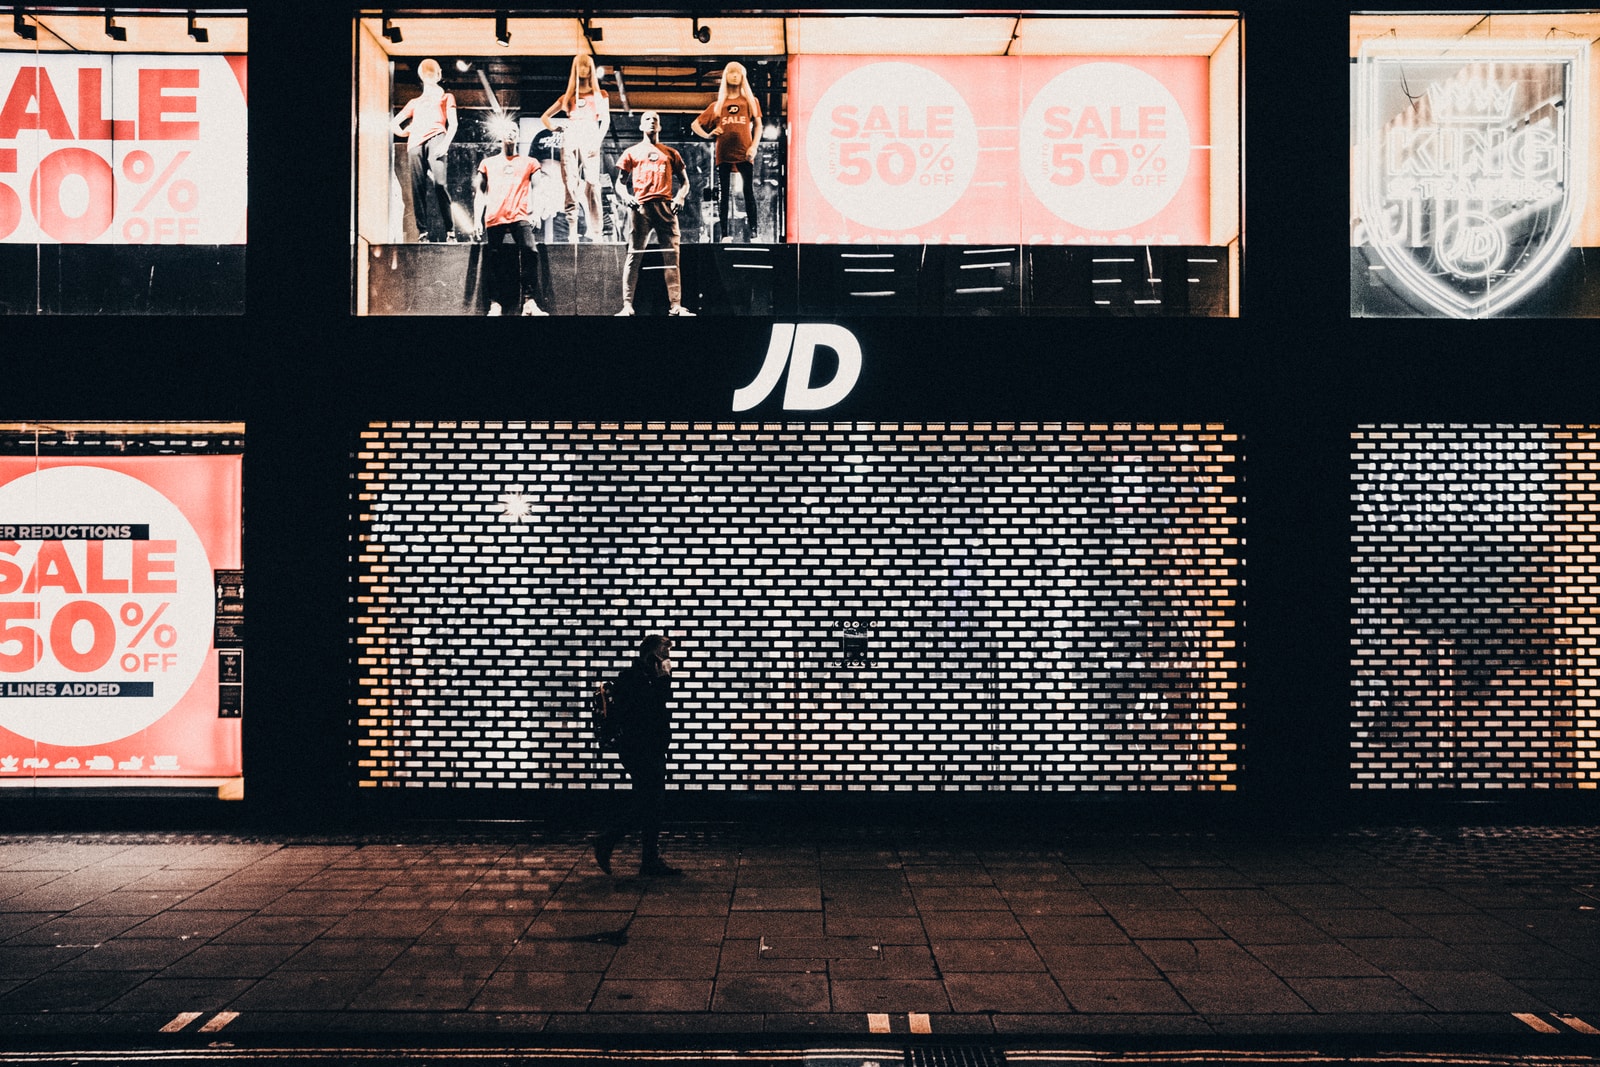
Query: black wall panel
1292, 379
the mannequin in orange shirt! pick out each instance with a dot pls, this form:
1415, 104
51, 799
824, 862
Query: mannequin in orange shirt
428, 123
733, 120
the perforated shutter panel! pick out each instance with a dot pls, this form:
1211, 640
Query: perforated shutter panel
856, 606
1474, 607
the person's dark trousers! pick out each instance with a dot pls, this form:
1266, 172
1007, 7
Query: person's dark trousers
511, 264
724, 183
648, 773
430, 199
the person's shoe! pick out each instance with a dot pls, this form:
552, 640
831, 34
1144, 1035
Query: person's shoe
602, 853
679, 309
494, 308
658, 869
531, 308
627, 309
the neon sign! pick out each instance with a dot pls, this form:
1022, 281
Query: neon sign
1470, 166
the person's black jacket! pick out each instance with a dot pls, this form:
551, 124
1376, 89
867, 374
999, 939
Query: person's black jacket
639, 704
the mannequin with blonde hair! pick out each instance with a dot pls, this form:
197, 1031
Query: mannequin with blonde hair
428, 123
733, 120
588, 111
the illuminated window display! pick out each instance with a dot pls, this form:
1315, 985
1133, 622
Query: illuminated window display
121, 606
854, 606
122, 162
1473, 164
947, 165
1475, 654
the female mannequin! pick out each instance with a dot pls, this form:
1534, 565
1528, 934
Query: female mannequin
734, 120
588, 112
432, 126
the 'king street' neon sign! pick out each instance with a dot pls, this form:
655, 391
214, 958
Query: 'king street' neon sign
1470, 166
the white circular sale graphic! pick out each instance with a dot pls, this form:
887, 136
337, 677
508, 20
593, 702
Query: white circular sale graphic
1104, 146
892, 145
101, 633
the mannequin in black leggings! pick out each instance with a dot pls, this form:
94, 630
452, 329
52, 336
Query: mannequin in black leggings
428, 123
733, 120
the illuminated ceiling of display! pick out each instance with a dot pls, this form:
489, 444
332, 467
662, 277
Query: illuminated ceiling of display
1581, 26
69, 431
986, 35
225, 32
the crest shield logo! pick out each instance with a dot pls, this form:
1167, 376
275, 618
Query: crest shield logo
1469, 166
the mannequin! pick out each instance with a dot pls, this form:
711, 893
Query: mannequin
733, 120
588, 111
428, 123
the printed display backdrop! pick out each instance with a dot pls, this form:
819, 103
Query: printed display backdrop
980, 149
125, 149
109, 569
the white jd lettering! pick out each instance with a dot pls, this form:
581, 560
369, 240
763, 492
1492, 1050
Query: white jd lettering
793, 345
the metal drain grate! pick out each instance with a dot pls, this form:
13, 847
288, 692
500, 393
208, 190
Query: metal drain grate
954, 1056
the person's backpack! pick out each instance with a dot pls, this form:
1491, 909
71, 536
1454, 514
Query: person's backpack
606, 726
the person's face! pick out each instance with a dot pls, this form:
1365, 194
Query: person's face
733, 77
585, 72
660, 662
650, 124
508, 143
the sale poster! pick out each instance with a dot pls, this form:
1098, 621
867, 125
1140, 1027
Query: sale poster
108, 609
1006, 150
122, 149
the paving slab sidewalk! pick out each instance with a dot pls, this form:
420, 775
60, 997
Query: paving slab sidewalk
1401, 931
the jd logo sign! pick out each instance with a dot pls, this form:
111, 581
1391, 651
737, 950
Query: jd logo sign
1470, 165
793, 346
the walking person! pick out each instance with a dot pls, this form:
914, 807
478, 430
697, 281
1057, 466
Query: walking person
644, 182
642, 721
734, 121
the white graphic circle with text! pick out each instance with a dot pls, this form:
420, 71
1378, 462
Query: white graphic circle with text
892, 145
1471, 244
93, 618
1104, 146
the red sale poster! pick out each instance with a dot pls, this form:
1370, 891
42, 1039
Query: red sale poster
1009, 150
108, 576
123, 149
